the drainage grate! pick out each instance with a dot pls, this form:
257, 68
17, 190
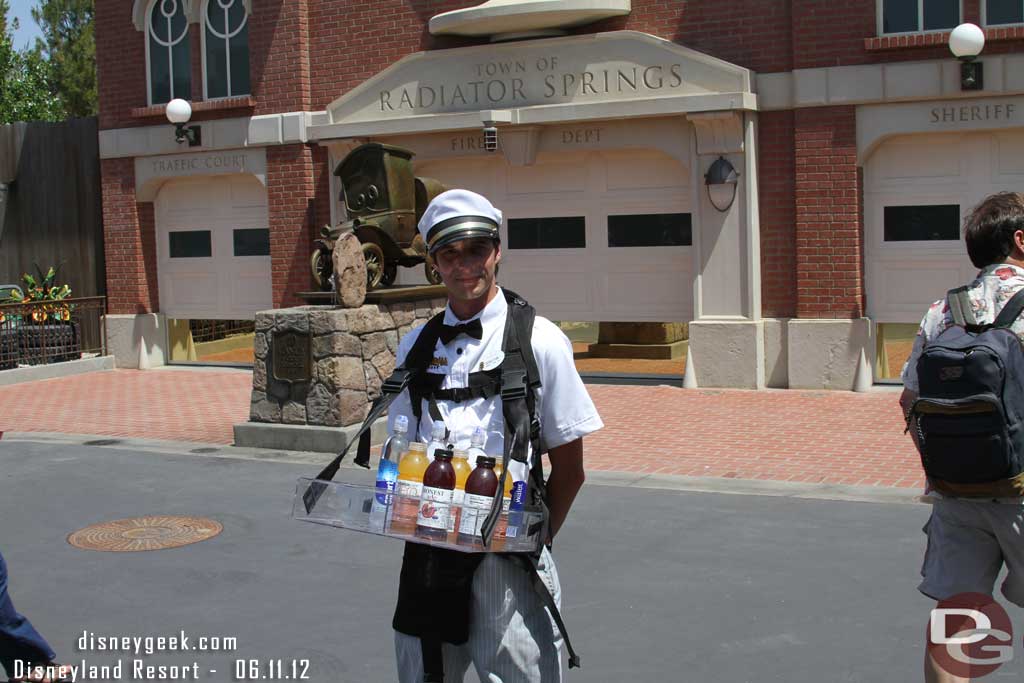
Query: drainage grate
102, 442
145, 533
204, 450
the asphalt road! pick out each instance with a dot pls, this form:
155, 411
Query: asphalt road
659, 585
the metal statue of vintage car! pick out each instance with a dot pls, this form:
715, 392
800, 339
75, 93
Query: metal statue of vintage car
383, 202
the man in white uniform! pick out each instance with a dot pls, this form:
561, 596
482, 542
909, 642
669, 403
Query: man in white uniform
511, 634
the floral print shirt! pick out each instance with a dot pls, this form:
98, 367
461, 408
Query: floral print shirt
989, 292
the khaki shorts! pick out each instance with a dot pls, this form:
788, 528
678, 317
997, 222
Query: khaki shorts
968, 543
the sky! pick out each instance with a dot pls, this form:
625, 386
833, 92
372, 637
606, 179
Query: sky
28, 31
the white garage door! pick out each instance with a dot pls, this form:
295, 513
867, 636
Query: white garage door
590, 236
213, 248
917, 191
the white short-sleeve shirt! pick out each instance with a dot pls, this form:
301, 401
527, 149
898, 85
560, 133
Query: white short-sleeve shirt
564, 408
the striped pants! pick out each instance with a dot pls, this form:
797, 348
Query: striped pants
512, 638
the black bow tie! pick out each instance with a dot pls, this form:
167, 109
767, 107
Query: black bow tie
471, 329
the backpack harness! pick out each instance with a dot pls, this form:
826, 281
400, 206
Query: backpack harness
970, 407
436, 583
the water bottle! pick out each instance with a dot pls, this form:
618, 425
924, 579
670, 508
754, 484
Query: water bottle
387, 470
476, 444
437, 439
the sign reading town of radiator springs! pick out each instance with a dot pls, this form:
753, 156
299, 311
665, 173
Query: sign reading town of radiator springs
192, 651
970, 635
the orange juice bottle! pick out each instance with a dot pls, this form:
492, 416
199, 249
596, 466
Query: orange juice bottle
409, 487
462, 470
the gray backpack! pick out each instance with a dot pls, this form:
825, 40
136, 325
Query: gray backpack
970, 407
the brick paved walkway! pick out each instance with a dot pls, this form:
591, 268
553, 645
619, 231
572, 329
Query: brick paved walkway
804, 436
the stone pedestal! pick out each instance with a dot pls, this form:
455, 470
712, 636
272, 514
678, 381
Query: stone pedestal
663, 341
727, 353
330, 364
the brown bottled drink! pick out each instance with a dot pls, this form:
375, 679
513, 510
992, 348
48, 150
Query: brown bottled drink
481, 487
436, 499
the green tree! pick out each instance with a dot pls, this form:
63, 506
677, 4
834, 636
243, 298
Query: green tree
4, 9
68, 48
25, 94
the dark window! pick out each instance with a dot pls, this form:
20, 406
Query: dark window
191, 244
1004, 12
940, 14
547, 233
899, 16
169, 62
252, 242
650, 230
922, 223
904, 16
227, 49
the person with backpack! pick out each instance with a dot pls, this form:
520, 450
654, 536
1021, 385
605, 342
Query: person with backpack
963, 400
493, 364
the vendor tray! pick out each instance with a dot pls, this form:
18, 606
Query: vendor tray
364, 508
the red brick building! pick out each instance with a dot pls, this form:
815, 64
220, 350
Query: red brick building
856, 148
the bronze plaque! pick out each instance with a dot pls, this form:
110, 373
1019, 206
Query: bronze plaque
292, 359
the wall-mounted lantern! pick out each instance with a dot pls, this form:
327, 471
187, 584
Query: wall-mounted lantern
721, 181
966, 42
179, 112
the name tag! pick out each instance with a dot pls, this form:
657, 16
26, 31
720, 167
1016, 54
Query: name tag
490, 360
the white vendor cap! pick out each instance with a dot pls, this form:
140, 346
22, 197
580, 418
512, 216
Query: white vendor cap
458, 215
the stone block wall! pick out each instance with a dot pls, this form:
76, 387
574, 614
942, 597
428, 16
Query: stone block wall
352, 353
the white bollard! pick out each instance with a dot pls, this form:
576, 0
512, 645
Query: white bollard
690, 376
143, 355
863, 380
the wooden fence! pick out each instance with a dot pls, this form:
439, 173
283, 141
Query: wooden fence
53, 211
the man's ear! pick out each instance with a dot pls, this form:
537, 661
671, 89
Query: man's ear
1018, 243
497, 255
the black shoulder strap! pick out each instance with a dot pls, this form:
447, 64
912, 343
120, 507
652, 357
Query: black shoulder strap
522, 316
960, 306
1011, 311
420, 355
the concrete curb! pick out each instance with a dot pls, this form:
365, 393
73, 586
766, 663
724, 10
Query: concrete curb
55, 370
749, 487
303, 437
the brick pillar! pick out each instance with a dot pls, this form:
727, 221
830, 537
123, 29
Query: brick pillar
322, 173
291, 195
129, 241
829, 229
195, 47
279, 55
777, 209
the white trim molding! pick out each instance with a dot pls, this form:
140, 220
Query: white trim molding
254, 131
883, 83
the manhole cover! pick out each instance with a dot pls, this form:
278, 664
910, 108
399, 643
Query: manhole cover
102, 442
145, 533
